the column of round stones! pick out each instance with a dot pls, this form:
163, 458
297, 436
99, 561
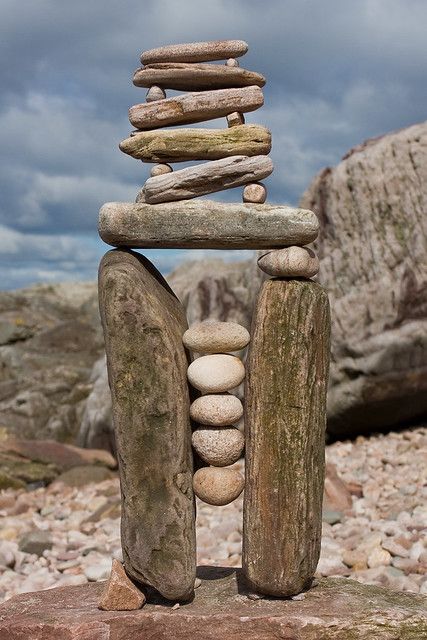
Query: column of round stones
154, 94
214, 373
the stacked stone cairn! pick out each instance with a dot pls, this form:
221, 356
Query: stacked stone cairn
165, 427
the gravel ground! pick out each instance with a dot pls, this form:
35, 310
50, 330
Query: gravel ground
66, 536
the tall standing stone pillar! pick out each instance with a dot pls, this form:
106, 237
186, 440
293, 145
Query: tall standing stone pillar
143, 325
285, 420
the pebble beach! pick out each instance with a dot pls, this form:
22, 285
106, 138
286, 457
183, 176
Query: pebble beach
62, 535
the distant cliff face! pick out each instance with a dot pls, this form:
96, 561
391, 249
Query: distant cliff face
372, 245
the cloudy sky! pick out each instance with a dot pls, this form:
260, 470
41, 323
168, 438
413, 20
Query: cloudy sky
338, 71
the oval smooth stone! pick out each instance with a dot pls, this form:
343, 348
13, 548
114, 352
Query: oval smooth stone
217, 486
216, 373
218, 446
213, 336
216, 410
291, 262
160, 169
155, 93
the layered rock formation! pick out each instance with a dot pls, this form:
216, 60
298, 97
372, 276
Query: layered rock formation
372, 248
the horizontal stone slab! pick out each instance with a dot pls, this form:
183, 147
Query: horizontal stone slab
196, 51
205, 224
195, 107
195, 77
180, 145
206, 178
335, 609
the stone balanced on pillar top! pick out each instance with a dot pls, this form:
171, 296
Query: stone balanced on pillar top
167, 407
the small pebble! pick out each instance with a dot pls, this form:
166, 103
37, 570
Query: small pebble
218, 446
255, 192
291, 262
155, 93
216, 410
212, 336
217, 486
216, 373
160, 169
232, 62
235, 119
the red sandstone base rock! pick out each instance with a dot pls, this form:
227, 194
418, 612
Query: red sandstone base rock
336, 609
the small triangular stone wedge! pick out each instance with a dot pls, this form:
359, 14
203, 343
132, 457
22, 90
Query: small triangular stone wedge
210, 177
195, 107
195, 77
143, 325
196, 51
181, 145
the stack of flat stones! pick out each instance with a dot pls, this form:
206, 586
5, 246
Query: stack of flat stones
237, 154
149, 345
215, 373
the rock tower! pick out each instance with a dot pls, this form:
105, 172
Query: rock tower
171, 386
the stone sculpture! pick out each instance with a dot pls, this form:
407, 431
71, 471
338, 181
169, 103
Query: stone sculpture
169, 407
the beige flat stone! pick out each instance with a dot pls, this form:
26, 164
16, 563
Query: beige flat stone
181, 145
212, 336
206, 178
205, 224
291, 262
196, 52
216, 409
195, 77
216, 373
218, 486
195, 107
218, 446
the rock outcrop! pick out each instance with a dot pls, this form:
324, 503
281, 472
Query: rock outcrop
50, 336
335, 609
372, 248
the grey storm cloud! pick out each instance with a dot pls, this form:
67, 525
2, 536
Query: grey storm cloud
338, 72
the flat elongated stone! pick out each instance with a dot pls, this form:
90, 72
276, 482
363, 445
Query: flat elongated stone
205, 224
213, 336
195, 77
207, 178
336, 609
196, 51
195, 107
180, 145
147, 365
285, 421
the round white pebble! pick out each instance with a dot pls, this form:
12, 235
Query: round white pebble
216, 373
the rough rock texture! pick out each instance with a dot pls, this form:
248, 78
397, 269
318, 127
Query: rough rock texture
205, 224
372, 248
180, 145
285, 422
219, 447
196, 51
143, 325
96, 426
209, 177
50, 335
120, 594
198, 106
337, 609
195, 77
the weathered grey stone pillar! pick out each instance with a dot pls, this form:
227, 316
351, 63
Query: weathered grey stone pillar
143, 325
285, 419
